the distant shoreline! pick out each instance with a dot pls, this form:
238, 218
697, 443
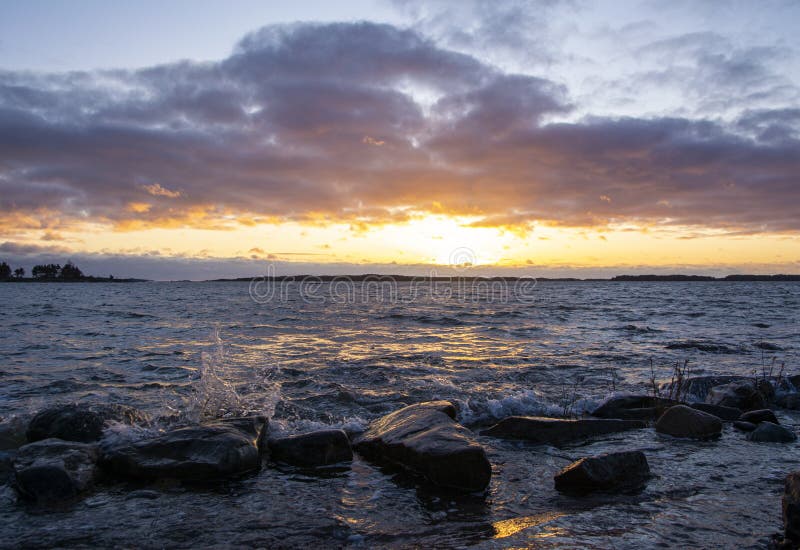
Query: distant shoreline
412, 278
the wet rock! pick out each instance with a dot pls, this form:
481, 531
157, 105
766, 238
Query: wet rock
193, 453
744, 426
54, 470
761, 415
683, 421
255, 426
556, 431
742, 394
425, 438
789, 401
12, 434
726, 414
80, 422
6, 466
791, 507
767, 432
621, 470
321, 448
700, 386
633, 407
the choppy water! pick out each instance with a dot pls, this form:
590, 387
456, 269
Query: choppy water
344, 356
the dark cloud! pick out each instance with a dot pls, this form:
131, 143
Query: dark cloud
351, 122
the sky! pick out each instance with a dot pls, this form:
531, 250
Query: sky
203, 139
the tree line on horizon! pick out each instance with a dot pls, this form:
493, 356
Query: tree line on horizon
43, 272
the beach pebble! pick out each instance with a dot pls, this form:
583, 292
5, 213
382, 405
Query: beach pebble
683, 421
767, 432
603, 472
426, 439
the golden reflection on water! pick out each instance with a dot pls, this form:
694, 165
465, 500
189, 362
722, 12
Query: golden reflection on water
509, 527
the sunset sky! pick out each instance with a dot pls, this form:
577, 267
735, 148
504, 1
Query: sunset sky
201, 139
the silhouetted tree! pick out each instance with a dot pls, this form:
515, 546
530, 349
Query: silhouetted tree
70, 272
46, 271
5, 271
19, 273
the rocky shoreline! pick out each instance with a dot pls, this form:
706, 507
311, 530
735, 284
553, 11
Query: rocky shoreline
67, 449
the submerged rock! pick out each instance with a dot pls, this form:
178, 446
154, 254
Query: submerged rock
425, 438
744, 426
742, 394
193, 453
700, 386
789, 401
683, 421
6, 466
621, 470
633, 407
321, 448
53, 470
767, 432
791, 507
555, 431
726, 414
80, 422
761, 415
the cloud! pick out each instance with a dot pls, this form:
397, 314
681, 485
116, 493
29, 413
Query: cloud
277, 131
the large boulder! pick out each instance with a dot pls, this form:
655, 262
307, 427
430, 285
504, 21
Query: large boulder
767, 432
633, 407
80, 422
742, 394
620, 470
52, 470
683, 421
791, 507
193, 453
556, 431
321, 448
726, 414
758, 416
425, 438
254, 426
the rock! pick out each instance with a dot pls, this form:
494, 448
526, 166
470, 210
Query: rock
193, 453
321, 448
255, 426
633, 407
626, 469
80, 422
12, 434
761, 415
6, 466
700, 386
683, 421
54, 470
791, 507
789, 401
744, 426
555, 431
425, 438
742, 395
726, 414
767, 432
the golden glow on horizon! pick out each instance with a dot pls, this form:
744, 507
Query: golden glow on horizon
431, 240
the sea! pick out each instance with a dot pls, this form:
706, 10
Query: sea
314, 354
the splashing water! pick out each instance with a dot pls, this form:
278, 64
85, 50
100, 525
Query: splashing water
213, 396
